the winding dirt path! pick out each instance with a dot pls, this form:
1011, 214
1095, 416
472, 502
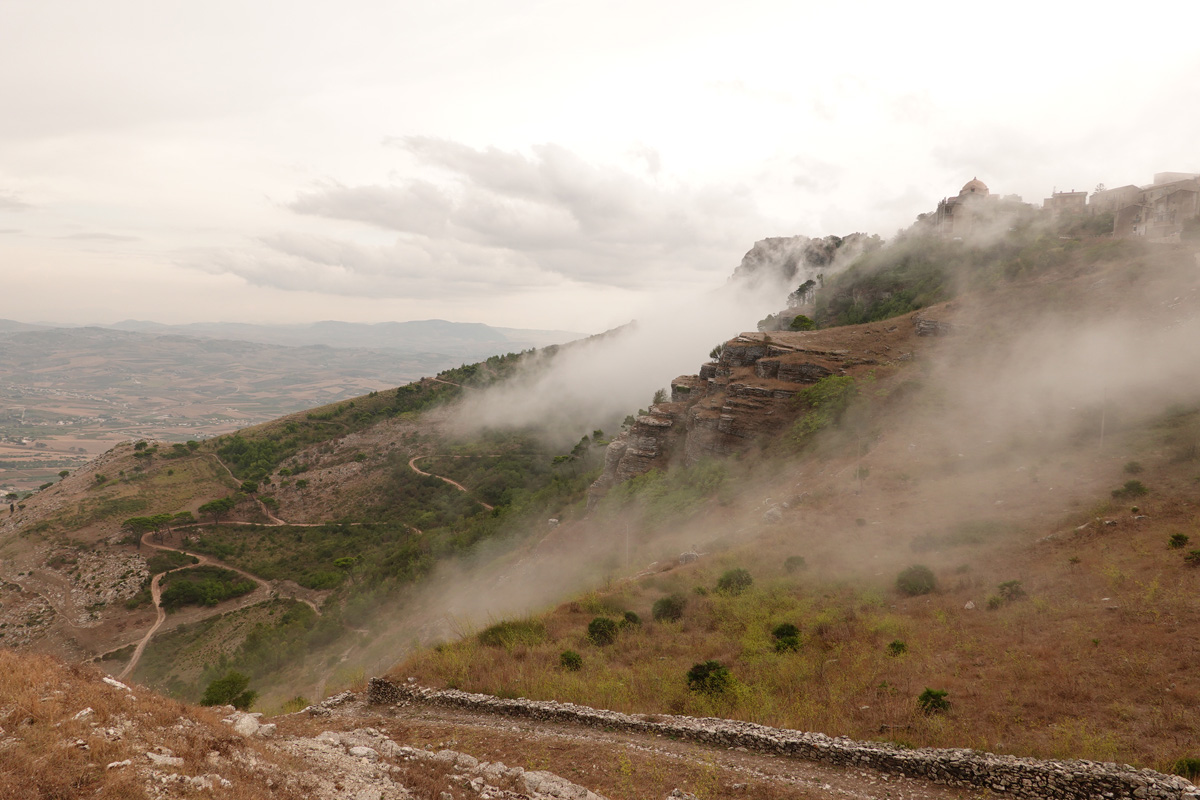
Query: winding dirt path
412, 463
156, 596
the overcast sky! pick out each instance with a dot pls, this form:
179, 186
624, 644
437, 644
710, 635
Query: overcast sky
533, 164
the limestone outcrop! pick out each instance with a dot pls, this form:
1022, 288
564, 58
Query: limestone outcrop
745, 395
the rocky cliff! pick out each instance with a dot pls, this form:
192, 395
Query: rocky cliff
747, 393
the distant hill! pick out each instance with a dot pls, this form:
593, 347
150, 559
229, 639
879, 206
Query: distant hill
472, 340
68, 393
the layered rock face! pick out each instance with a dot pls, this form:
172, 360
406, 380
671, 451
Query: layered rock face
747, 393
744, 395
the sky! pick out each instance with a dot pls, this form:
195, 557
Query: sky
555, 165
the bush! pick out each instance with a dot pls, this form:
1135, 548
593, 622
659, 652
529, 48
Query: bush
508, 633
1133, 467
602, 631
631, 619
896, 648
709, 677
787, 637
787, 644
801, 323
994, 602
1193, 558
229, 689
1011, 590
1178, 541
933, 701
916, 580
669, 608
794, 564
1188, 768
570, 660
785, 630
734, 581
1133, 488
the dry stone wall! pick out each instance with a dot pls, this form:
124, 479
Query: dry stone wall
1008, 776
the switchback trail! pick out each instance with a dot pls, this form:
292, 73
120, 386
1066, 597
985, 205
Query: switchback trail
261, 586
412, 463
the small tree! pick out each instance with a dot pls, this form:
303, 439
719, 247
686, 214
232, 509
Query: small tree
570, 661
802, 323
787, 637
230, 689
64, 473
916, 580
669, 608
734, 581
218, 508
660, 396
602, 631
709, 677
933, 701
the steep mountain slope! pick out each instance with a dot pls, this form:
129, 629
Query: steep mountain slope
1035, 450
1031, 444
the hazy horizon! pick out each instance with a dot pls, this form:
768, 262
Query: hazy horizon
532, 165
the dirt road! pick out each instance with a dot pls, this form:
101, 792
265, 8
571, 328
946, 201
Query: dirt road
412, 463
619, 764
261, 587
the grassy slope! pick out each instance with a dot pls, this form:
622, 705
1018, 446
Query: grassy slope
1095, 661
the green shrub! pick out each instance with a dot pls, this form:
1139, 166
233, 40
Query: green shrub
230, 689
933, 701
801, 323
570, 660
787, 637
1188, 768
631, 618
1133, 467
896, 648
669, 608
512, 632
602, 631
785, 630
1193, 558
1011, 590
1132, 488
787, 644
734, 581
709, 677
994, 602
794, 564
916, 580
1178, 541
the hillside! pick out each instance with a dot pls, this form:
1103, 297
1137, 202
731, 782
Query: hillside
1030, 445
1035, 450
69, 394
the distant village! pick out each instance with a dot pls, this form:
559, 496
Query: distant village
1166, 210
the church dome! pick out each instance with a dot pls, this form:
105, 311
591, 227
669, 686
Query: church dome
974, 186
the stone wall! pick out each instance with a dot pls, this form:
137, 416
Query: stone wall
1009, 776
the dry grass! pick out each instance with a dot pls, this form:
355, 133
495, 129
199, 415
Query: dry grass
1095, 662
47, 752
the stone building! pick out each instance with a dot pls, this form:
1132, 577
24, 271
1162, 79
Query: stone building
1071, 202
1161, 211
958, 216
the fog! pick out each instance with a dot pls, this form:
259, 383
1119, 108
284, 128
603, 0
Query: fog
1023, 414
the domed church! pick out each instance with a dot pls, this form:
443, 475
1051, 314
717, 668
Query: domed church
956, 216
